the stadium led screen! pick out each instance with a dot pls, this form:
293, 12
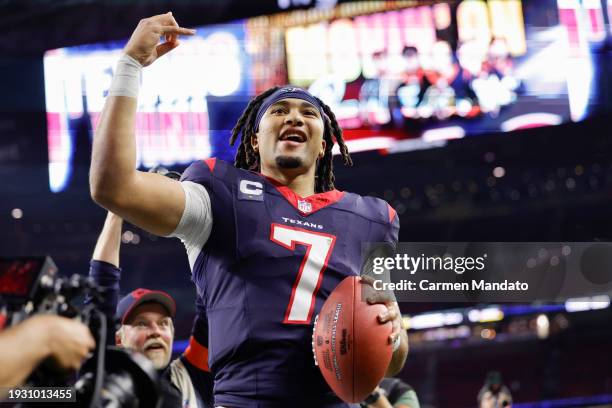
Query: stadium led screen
398, 76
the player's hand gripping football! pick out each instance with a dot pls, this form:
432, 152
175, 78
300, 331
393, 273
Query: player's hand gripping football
392, 314
145, 44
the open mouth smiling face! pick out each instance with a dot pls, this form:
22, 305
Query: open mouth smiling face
290, 128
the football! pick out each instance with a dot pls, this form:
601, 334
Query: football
350, 346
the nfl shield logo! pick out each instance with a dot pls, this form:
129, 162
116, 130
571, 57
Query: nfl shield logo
304, 206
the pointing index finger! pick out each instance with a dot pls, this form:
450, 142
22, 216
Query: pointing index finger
176, 30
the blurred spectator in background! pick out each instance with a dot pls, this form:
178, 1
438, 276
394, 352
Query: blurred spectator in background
499, 59
442, 72
472, 56
392, 393
495, 85
374, 93
494, 394
412, 86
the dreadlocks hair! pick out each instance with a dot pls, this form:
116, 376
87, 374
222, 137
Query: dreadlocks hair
247, 158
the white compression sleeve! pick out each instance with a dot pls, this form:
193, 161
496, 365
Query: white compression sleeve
196, 222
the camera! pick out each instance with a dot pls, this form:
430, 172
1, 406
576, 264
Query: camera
111, 377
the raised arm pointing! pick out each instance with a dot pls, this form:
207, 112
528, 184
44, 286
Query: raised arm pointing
151, 201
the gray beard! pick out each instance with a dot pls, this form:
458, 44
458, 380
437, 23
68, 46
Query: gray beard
287, 162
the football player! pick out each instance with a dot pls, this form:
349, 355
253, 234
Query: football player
267, 239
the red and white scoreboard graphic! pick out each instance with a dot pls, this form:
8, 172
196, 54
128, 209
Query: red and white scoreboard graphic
172, 123
398, 76
583, 21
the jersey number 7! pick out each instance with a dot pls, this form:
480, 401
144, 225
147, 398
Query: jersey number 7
319, 247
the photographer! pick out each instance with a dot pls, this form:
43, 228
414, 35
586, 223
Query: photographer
26, 345
494, 394
147, 327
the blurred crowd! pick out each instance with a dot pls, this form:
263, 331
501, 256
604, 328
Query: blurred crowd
476, 78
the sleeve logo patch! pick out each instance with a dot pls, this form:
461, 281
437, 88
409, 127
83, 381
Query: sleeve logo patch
250, 190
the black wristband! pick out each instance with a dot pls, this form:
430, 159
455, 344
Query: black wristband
372, 398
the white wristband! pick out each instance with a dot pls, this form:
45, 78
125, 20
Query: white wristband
126, 81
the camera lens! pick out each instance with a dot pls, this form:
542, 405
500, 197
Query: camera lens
130, 380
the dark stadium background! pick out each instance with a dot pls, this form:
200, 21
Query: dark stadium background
443, 194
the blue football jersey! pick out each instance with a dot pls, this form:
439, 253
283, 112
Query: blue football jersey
271, 261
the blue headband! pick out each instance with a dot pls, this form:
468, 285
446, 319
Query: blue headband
284, 93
